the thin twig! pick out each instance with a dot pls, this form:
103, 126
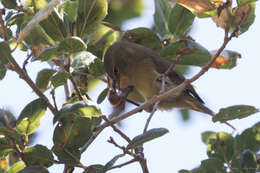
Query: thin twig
54, 98
117, 130
9, 126
123, 164
76, 159
125, 151
26, 61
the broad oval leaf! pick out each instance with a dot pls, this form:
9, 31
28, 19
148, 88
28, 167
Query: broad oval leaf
2, 71
43, 79
147, 136
180, 21
206, 136
11, 4
49, 53
71, 9
60, 78
111, 163
29, 119
234, 112
226, 60
145, 37
102, 95
18, 166
192, 53
81, 60
5, 53
5, 147
70, 156
38, 155
72, 45
90, 15
213, 165
248, 161
34, 169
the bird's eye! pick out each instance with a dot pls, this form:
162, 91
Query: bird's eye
116, 71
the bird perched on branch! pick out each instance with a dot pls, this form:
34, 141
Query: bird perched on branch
129, 64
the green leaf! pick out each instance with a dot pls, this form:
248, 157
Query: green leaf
147, 136
249, 139
185, 114
90, 15
248, 162
206, 136
222, 147
97, 68
11, 4
102, 95
180, 21
5, 147
12, 135
60, 78
192, 53
97, 168
161, 15
5, 53
79, 109
36, 4
82, 60
49, 53
71, 9
38, 155
2, 71
18, 166
145, 37
213, 165
69, 156
29, 119
110, 163
72, 45
34, 169
43, 79
226, 60
246, 13
234, 112
54, 26
9, 33
243, 2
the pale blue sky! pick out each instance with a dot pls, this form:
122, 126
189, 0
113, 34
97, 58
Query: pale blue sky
182, 147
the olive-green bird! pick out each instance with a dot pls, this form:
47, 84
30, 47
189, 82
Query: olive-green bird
130, 64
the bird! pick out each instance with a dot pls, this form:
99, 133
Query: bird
131, 64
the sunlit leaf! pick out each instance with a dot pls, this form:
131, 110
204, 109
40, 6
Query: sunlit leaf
206, 136
234, 112
147, 136
83, 59
243, 2
71, 9
43, 79
18, 166
72, 45
29, 119
36, 4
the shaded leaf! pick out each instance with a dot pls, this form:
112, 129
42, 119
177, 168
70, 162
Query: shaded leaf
34, 169
71, 9
180, 21
10, 118
213, 165
90, 15
222, 147
95, 168
110, 163
162, 11
68, 155
43, 79
145, 37
102, 95
192, 53
249, 139
72, 45
5, 147
38, 155
96, 68
226, 60
248, 162
5, 53
29, 119
11, 135
60, 78
185, 114
11, 4
18, 166
202, 8
2, 71
49, 53
147, 136
234, 112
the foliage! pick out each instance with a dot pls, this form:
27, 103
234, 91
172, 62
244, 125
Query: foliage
73, 36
